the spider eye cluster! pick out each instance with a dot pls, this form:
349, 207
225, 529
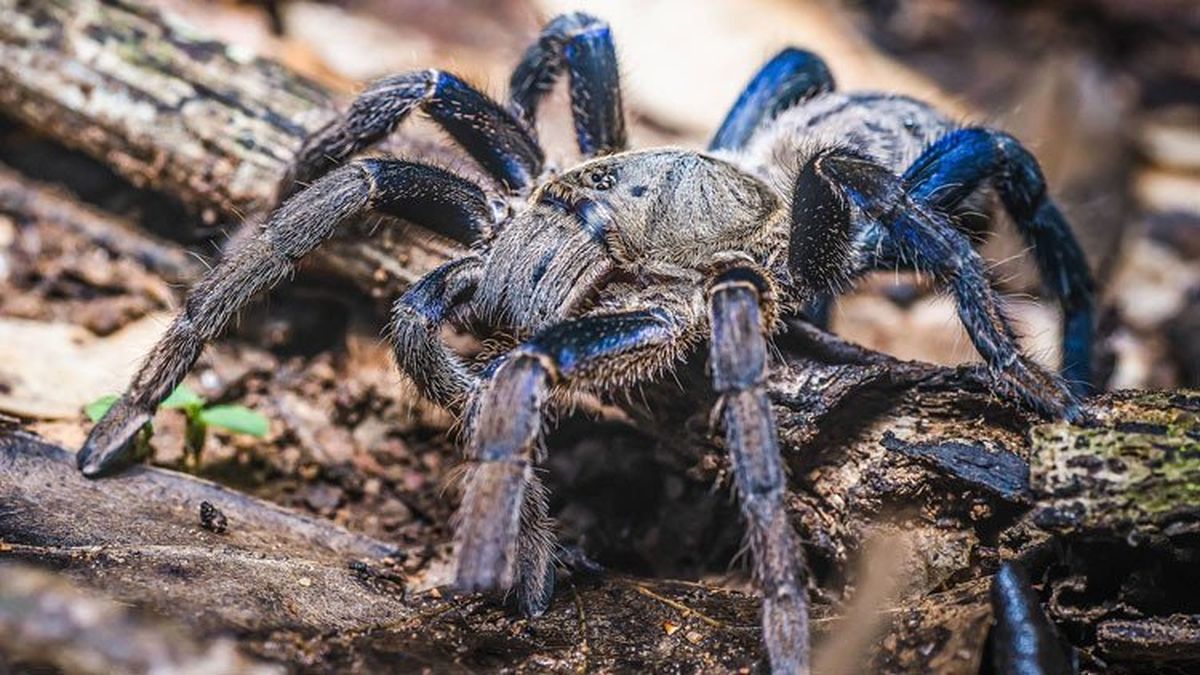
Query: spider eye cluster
600, 178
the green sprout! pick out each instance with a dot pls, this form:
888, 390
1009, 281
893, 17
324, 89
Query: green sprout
199, 418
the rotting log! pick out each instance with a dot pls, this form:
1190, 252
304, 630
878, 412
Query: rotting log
177, 112
292, 587
166, 109
45, 620
308, 593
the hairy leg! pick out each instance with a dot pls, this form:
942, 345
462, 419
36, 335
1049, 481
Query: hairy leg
494, 549
417, 320
292, 232
955, 167
828, 248
492, 136
791, 77
739, 371
582, 44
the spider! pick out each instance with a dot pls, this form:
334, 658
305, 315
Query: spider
602, 276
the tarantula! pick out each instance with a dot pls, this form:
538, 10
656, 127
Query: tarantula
607, 273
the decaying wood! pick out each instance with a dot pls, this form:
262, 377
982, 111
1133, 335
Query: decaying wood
301, 590
307, 592
189, 116
44, 619
165, 109
1136, 477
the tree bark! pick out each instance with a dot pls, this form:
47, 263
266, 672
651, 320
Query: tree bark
192, 117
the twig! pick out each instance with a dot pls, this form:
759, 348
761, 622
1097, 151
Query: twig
684, 609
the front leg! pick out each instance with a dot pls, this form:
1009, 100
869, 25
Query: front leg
502, 537
739, 371
424, 194
418, 316
848, 210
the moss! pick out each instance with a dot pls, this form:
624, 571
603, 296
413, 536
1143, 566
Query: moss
1131, 476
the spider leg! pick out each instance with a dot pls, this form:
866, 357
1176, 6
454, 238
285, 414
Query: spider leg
421, 193
417, 319
492, 136
828, 248
495, 548
1023, 639
739, 371
791, 77
583, 45
954, 167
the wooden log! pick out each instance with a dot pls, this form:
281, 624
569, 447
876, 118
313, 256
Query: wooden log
166, 109
24, 199
183, 114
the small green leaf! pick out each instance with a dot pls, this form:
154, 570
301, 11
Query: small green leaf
98, 408
236, 418
182, 397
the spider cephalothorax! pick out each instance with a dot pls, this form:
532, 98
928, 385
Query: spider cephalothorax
602, 276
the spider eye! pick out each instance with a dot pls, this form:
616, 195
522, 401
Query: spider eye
600, 179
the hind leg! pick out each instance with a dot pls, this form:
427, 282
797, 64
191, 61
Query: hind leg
831, 245
956, 166
790, 78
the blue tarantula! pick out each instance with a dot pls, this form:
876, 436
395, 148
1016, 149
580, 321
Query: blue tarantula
602, 276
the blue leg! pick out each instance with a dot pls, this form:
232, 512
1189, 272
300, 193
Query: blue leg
503, 536
828, 248
957, 165
583, 45
493, 137
434, 198
738, 358
417, 319
1024, 641
792, 77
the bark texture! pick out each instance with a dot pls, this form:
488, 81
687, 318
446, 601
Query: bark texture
179, 113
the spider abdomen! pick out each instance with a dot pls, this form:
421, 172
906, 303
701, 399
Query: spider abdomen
891, 129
